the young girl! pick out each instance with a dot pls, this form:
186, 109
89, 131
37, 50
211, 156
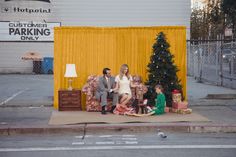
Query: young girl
160, 102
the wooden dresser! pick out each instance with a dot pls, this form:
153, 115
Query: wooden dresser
69, 100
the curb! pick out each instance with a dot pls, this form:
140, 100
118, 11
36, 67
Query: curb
169, 127
212, 102
221, 96
41, 130
84, 129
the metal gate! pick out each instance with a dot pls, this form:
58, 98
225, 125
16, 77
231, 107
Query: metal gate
212, 61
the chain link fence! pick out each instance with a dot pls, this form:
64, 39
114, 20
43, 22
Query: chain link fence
45, 66
212, 61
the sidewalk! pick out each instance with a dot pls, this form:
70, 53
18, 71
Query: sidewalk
197, 91
30, 119
199, 94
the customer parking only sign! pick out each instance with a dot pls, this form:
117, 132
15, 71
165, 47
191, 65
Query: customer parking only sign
27, 31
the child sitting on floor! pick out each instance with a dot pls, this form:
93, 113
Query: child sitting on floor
160, 102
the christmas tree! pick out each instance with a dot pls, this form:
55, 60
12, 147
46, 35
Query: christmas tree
162, 70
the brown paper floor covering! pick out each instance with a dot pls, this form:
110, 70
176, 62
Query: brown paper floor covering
78, 117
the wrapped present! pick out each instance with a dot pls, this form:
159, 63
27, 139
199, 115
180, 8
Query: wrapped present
176, 96
180, 105
186, 111
167, 109
173, 110
181, 111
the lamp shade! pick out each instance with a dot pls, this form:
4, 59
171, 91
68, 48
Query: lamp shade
70, 70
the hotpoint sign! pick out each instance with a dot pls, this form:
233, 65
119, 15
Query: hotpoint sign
26, 6
25, 10
27, 31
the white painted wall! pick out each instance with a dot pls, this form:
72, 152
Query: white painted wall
124, 12
88, 13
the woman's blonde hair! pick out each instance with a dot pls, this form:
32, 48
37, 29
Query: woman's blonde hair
122, 69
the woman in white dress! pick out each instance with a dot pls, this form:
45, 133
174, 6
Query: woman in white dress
124, 82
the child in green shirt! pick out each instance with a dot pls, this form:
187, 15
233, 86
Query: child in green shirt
160, 102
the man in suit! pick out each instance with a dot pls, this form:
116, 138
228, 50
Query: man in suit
106, 89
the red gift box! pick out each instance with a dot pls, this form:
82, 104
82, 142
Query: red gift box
167, 109
180, 105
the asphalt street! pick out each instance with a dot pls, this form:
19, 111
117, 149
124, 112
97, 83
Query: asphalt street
26, 90
176, 144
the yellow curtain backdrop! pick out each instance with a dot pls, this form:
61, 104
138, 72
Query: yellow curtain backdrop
93, 48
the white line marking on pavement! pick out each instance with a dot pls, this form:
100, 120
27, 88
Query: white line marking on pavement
106, 136
128, 135
83, 136
3, 123
131, 142
131, 139
12, 97
105, 143
31, 107
78, 143
119, 148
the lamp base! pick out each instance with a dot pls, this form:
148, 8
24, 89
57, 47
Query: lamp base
70, 84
